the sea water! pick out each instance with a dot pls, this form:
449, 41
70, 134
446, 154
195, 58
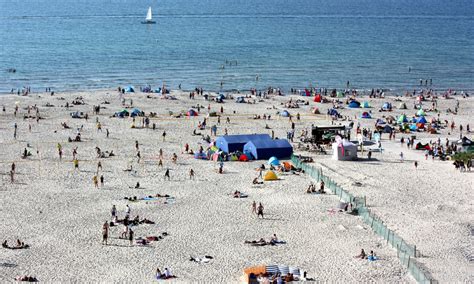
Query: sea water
237, 44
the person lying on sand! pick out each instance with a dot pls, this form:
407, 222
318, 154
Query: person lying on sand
260, 242
19, 245
166, 275
204, 259
26, 278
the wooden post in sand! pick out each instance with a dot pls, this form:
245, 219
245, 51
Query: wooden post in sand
408, 265
414, 250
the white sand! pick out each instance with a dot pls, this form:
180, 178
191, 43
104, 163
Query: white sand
59, 213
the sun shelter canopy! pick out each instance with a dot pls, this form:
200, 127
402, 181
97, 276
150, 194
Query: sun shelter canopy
354, 104
273, 161
265, 149
420, 112
365, 115
366, 105
232, 143
192, 112
317, 98
130, 89
285, 113
387, 106
421, 119
135, 112
402, 118
270, 175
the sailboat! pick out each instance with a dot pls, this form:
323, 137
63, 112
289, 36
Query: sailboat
148, 19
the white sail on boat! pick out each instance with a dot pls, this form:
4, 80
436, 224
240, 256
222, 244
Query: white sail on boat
149, 17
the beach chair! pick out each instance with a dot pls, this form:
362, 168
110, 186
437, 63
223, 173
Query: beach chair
272, 269
296, 272
283, 269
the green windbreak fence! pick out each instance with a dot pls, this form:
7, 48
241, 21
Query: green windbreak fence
406, 253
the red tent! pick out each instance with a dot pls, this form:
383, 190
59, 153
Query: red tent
317, 98
243, 158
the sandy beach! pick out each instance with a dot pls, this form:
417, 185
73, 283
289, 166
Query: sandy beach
58, 212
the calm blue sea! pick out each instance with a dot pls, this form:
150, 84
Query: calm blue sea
88, 44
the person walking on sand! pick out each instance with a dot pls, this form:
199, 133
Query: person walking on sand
13, 167
161, 153
76, 164
164, 135
160, 163
260, 210
12, 176
101, 180
416, 165
401, 156
254, 207
99, 166
113, 211
136, 145
107, 132
15, 130
167, 174
105, 232
127, 211
95, 180
130, 236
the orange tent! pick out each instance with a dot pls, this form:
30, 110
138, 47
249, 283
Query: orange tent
287, 166
255, 270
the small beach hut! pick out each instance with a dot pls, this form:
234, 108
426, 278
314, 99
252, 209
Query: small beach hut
265, 149
366, 105
344, 150
232, 143
365, 115
130, 89
402, 106
340, 94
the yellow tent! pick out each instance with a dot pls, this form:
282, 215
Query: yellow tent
270, 175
